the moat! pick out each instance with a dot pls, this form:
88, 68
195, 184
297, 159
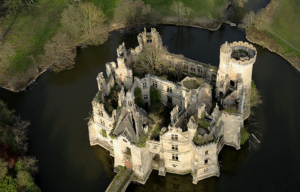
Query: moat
57, 105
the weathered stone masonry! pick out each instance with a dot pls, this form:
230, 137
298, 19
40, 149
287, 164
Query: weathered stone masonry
186, 146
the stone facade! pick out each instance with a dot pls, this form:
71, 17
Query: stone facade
235, 74
190, 144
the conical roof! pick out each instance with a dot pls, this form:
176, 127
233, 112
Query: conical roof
226, 47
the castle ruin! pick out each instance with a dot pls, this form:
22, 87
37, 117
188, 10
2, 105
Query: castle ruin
198, 128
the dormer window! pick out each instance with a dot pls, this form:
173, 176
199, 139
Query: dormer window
174, 137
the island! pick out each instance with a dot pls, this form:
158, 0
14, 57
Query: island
207, 111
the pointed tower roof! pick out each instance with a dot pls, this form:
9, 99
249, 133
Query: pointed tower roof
226, 47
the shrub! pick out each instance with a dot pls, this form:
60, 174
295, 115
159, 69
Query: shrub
154, 95
103, 133
3, 168
8, 184
138, 97
244, 135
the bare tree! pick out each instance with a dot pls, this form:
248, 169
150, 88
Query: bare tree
29, 163
60, 53
249, 18
13, 5
134, 13
240, 3
152, 59
255, 97
259, 19
7, 116
182, 11
73, 23
85, 24
94, 30
19, 130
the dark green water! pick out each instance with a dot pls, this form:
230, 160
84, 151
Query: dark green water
57, 105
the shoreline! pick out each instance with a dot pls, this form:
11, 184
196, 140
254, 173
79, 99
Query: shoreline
273, 51
115, 27
111, 28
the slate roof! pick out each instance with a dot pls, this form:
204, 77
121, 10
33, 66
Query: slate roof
125, 124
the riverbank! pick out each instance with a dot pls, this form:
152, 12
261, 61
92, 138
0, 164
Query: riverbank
25, 35
275, 30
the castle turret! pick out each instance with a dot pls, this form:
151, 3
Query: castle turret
192, 127
235, 71
101, 82
121, 96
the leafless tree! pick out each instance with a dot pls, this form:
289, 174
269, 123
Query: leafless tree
152, 59
249, 18
134, 13
240, 3
19, 130
255, 97
182, 11
259, 19
59, 53
7, 116
29, 163
85, 24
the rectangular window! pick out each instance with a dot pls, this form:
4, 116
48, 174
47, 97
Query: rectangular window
144, 84
206, 152
155, 84
185, 67
198, 70
174, 137
175, 147
206, 169
145, 97
169, 89
175, 157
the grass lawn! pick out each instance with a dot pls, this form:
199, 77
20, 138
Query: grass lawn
32, 28
286, 22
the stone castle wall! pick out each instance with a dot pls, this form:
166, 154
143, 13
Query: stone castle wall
224, 128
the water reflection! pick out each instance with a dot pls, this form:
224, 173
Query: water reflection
59, 103
174, 182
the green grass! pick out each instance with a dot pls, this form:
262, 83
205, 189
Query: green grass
32, 28
108, 6
201, 8
244, 135
286, 21
285, 48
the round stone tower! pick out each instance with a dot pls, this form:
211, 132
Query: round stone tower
235, 72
